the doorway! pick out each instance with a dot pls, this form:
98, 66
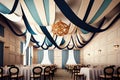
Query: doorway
1, 53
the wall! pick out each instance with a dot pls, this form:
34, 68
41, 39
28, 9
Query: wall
12, 52
105, 42
58, 58
35, 56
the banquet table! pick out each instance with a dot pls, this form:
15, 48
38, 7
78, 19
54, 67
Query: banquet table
86, 72
95, 72
91, 73
24, 70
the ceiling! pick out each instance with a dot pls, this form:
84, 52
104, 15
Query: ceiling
27, 18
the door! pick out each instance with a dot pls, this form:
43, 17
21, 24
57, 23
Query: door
1, 53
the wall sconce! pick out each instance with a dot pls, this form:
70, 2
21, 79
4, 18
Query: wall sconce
99, 50
7, 46
88, 54
116, 46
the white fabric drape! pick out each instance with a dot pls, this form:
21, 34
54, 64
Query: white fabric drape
71, 59
46, 60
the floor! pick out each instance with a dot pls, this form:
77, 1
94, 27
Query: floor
62, 74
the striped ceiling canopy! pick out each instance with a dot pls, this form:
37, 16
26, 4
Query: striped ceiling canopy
34, 19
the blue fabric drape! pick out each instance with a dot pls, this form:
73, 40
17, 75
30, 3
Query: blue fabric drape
86, 14
27, 23
69, 14
4, 9
77, 56
46, 6
104, 5
40, 56
64, 57
51, 56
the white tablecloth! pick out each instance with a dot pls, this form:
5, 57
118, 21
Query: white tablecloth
26, 71
91, 73
86, 72
95, 72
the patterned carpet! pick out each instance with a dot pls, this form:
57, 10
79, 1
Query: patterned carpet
62, 74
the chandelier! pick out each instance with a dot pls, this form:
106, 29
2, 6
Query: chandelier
60, 28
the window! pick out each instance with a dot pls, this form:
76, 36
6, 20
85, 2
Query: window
1, 31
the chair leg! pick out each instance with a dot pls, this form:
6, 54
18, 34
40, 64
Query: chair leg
83, 78
71, 75
76, 77
52, 77
44, 77
49, 77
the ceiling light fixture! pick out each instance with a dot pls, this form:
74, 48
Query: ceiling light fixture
60, 28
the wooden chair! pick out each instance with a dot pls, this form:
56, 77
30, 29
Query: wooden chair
46, 73
108, 73
14, 73
37, 71
117, 75
2, 75
77, 74
75, 70
52, 72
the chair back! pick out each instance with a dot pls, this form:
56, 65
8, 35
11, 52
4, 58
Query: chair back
76, 68
37, 70
1, 72
118, 72
14, 71
108, 71
47, 69
10, 65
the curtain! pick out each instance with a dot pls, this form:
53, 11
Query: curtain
51, 56
77, 56
64, 57
40, 56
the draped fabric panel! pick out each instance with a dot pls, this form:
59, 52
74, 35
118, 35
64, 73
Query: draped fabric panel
40, 56
67, 11
51, 56
71, 59
64, 57
46, 59
77, 56
101, 9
